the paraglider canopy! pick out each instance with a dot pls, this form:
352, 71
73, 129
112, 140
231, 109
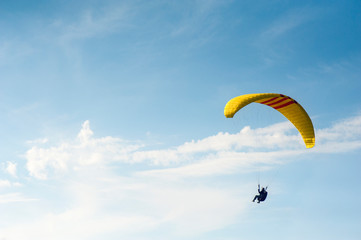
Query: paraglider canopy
291, 109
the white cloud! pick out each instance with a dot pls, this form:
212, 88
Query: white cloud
103, 203
115, 188
11, 168
87, 150
37, 141
342, 136
222, 153
14, 197
222, 163
9, 184
250, 149
84, 150
5, 183
343, 131
274, 137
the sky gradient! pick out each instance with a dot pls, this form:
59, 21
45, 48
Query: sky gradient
112, 122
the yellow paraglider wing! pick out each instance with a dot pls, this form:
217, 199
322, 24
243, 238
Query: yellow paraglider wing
291, 109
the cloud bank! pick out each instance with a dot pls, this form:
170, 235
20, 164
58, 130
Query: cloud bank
109, 186
223, 153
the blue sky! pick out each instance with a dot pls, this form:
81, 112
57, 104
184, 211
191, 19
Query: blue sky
112, 122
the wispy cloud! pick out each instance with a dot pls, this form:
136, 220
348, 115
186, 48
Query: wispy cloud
93, 22
342, 136
288, 22
199, 24
280, 28
343, 71
14, 197
14, 51
130, 208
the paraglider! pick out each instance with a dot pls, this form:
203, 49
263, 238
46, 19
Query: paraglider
291, 109
287, 106
262, 195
